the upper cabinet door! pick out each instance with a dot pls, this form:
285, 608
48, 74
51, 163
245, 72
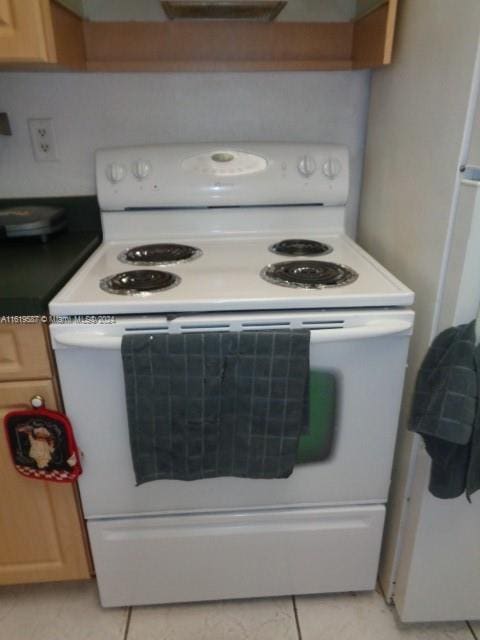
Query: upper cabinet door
373, 34
26, 33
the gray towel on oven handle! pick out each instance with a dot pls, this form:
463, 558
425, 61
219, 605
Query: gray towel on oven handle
204, 405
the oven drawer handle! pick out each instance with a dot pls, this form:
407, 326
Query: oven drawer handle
370, 330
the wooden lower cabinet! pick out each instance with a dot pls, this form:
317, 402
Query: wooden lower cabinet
41, 531
24, 353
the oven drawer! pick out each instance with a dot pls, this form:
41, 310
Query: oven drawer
236, 555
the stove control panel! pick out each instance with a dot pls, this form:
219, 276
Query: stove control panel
235, 174
224, 162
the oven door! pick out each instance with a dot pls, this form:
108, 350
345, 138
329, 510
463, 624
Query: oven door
357, 361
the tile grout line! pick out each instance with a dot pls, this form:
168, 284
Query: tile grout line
297, 621
472, 630
127, 625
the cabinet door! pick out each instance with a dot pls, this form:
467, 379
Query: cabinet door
26, 32
23, 352
41, 530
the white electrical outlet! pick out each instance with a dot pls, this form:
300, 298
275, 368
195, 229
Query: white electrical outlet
42, 137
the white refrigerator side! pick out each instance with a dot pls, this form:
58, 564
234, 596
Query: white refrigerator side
439, 572
418, 134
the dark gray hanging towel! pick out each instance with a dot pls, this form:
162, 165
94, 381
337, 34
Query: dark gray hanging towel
204, 405
445, 411
473, 472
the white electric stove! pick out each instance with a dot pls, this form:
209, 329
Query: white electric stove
235, 237
230, 245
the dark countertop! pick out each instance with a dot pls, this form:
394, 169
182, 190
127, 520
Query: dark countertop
31, 272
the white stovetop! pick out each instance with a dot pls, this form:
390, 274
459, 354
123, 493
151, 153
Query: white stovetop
226, 277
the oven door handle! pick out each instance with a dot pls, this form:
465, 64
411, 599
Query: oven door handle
371, 330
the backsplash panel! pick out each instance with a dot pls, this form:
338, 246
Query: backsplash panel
90, 111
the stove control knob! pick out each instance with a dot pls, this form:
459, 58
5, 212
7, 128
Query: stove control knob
115, 172
141, 169
331, 168
306, 166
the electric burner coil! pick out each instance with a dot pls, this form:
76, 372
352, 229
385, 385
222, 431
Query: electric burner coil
159, 254
139, 282
300, 247
309, 274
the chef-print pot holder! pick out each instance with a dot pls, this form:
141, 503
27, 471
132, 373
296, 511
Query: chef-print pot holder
42, 445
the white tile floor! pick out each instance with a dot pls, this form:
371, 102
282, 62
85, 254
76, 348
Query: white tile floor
71, 612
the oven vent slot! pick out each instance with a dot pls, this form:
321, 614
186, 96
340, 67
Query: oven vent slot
149, 329
319, 323
323, 324
336, 322
204, 327
264, 325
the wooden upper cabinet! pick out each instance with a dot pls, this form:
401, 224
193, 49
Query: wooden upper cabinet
46, 33
361, 41
24, 31
373, 36
40, 32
